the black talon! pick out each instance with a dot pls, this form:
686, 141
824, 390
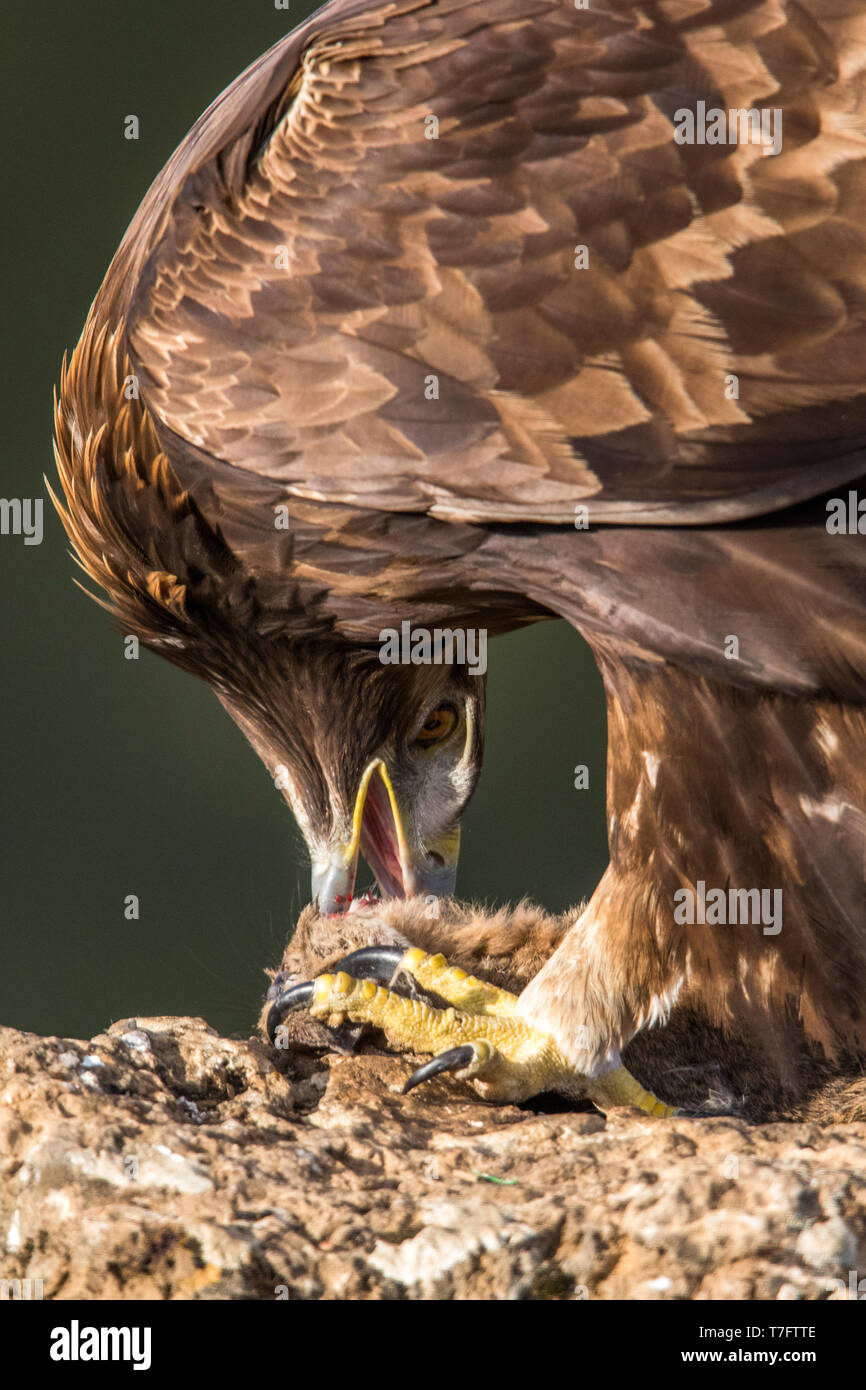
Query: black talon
454, 1060
298, 997
371, 963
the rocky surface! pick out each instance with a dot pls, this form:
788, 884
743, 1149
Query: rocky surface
159, 1160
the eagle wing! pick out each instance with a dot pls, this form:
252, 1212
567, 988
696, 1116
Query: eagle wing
449, 258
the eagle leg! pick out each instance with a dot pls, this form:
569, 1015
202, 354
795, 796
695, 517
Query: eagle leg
482, 1040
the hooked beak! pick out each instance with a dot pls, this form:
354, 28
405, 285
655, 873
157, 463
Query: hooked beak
378, 831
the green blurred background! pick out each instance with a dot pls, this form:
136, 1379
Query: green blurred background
126, 777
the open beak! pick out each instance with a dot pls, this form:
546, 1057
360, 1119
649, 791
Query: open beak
378, 832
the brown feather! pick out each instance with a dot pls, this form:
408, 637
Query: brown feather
308, 261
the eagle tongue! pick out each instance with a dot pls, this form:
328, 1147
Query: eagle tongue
379, 844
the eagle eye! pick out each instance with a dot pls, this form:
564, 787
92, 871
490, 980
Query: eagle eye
439, 723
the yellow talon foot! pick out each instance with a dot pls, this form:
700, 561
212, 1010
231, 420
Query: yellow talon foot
482, 1040
464, 991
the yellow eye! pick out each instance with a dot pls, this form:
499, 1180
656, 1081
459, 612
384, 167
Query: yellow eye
437, 726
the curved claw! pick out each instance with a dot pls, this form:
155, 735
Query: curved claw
454, 1060
298, 997
371, 963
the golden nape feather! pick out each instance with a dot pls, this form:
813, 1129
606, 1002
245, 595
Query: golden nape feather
103, 472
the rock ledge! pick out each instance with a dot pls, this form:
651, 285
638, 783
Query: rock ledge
160, 1160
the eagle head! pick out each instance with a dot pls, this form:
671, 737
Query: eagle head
374, 759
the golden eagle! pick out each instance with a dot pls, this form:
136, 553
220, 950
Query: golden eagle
458, 314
